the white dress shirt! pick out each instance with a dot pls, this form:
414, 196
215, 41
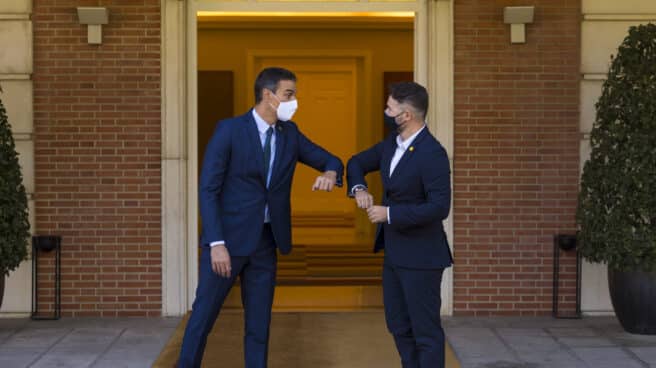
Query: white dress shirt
401, 147
262, 127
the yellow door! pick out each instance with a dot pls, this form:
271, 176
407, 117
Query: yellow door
327, 96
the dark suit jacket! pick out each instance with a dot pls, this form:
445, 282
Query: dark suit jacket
233, 190
418, 195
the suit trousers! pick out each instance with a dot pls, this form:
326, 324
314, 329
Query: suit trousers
257, 273
412, 312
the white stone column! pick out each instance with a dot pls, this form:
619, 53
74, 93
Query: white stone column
434, 70
16, 82
174, 160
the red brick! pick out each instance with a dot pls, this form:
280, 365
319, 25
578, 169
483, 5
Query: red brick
516, 156
97, 132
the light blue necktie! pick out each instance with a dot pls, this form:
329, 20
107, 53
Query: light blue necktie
267, 153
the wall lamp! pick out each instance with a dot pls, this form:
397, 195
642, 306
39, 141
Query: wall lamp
94, 18
518, 17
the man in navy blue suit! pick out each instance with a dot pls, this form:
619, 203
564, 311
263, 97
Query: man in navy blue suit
416, 199
245, 187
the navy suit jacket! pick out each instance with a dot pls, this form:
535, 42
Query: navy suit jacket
233, 191
418, 195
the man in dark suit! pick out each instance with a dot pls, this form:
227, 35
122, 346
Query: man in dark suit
245, 187
416, 198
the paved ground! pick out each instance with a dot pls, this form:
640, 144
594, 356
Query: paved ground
84, 342
478, 342
595, 342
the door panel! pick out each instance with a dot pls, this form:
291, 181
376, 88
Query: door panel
327, 91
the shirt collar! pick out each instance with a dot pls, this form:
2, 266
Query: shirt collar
262, 125
405, 144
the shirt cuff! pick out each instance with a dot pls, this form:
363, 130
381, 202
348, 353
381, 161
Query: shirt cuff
389, 220
356, 187
215, 243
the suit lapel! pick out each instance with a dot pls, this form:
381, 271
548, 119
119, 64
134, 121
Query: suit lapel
388, 154
254, 140
280, 148
408, 154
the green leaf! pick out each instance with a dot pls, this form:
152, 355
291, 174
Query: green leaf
617, 199
14, 224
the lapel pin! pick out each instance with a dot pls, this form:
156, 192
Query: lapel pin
279, 128
412, 148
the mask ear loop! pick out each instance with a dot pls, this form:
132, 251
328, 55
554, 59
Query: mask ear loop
274, 95
398, 126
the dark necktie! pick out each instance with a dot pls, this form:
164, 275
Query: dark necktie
267, 152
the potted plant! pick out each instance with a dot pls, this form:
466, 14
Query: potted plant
617, 200
14, 224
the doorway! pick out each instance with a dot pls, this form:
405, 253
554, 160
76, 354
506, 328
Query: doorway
341, 92
433, 67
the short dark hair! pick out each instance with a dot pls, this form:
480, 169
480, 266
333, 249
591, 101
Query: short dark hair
269, 79
410, 93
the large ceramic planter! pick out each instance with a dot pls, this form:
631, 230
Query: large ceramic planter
633, 294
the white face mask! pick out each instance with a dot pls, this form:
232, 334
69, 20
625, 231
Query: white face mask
286, 109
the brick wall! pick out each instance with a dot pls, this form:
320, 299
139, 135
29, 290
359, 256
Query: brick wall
97, 134
516, 155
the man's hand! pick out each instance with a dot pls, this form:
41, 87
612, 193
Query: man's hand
364, 199
325, 181
221, 261
377, 214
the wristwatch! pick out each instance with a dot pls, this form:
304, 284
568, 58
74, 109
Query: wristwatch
358, 188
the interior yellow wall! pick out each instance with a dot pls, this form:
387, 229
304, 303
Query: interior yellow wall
226, 49
389, 48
